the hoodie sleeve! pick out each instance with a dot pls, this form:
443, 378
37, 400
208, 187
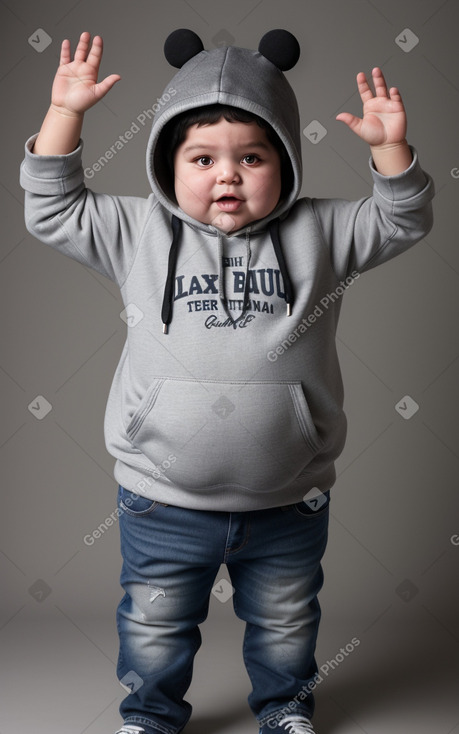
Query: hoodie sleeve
98, 230
363, 234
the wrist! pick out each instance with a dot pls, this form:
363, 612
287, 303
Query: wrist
392, 159
64, 112
59, 133
389, 147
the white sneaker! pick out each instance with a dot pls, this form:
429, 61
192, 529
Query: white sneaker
130, 729
296, 725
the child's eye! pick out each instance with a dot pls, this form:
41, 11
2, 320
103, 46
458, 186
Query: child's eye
204, 161
250, 159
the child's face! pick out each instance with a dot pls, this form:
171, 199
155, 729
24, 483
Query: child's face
233, 160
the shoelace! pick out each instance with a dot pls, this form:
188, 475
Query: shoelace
297, 725
130, 729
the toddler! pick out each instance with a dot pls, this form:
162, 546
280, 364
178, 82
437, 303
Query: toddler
225, 414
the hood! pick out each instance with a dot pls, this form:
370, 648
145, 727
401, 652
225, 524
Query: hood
250, 80
254, 82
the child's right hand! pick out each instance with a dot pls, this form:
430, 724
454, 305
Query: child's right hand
75, 88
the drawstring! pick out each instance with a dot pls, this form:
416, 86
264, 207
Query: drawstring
168, 299
274, 232
221, 279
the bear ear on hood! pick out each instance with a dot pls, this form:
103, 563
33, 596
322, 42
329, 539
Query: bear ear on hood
278, 46
281, 48
181, 45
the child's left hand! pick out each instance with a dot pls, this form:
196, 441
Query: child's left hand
384, 117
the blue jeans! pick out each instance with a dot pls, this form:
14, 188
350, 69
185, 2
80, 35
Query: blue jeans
171, 557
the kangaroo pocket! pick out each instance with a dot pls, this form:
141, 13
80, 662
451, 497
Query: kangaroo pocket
256, 435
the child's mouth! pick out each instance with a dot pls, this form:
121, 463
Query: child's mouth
228, 203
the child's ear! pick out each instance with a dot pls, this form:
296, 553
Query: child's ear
181, 45
281, 48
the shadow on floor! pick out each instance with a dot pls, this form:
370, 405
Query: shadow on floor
403, 681
237, 719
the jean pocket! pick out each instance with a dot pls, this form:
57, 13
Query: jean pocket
133, 504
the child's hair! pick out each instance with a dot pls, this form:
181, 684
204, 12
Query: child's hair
175, 131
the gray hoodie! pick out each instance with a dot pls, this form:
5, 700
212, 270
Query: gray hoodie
239, 406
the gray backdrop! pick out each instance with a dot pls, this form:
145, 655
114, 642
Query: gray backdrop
391, 565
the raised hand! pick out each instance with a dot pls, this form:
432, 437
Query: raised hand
383, 125
75, 88
384, 118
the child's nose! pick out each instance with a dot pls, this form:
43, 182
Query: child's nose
228, 173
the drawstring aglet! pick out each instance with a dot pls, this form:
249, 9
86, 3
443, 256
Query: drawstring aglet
289, 309
165, 329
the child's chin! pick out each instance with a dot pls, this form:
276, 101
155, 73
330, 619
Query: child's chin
226, 222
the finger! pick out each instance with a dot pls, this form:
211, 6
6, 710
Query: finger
363, 87
379, 82
96, 51
65, 52
353, 122
106, 84
82, 48
394, 94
